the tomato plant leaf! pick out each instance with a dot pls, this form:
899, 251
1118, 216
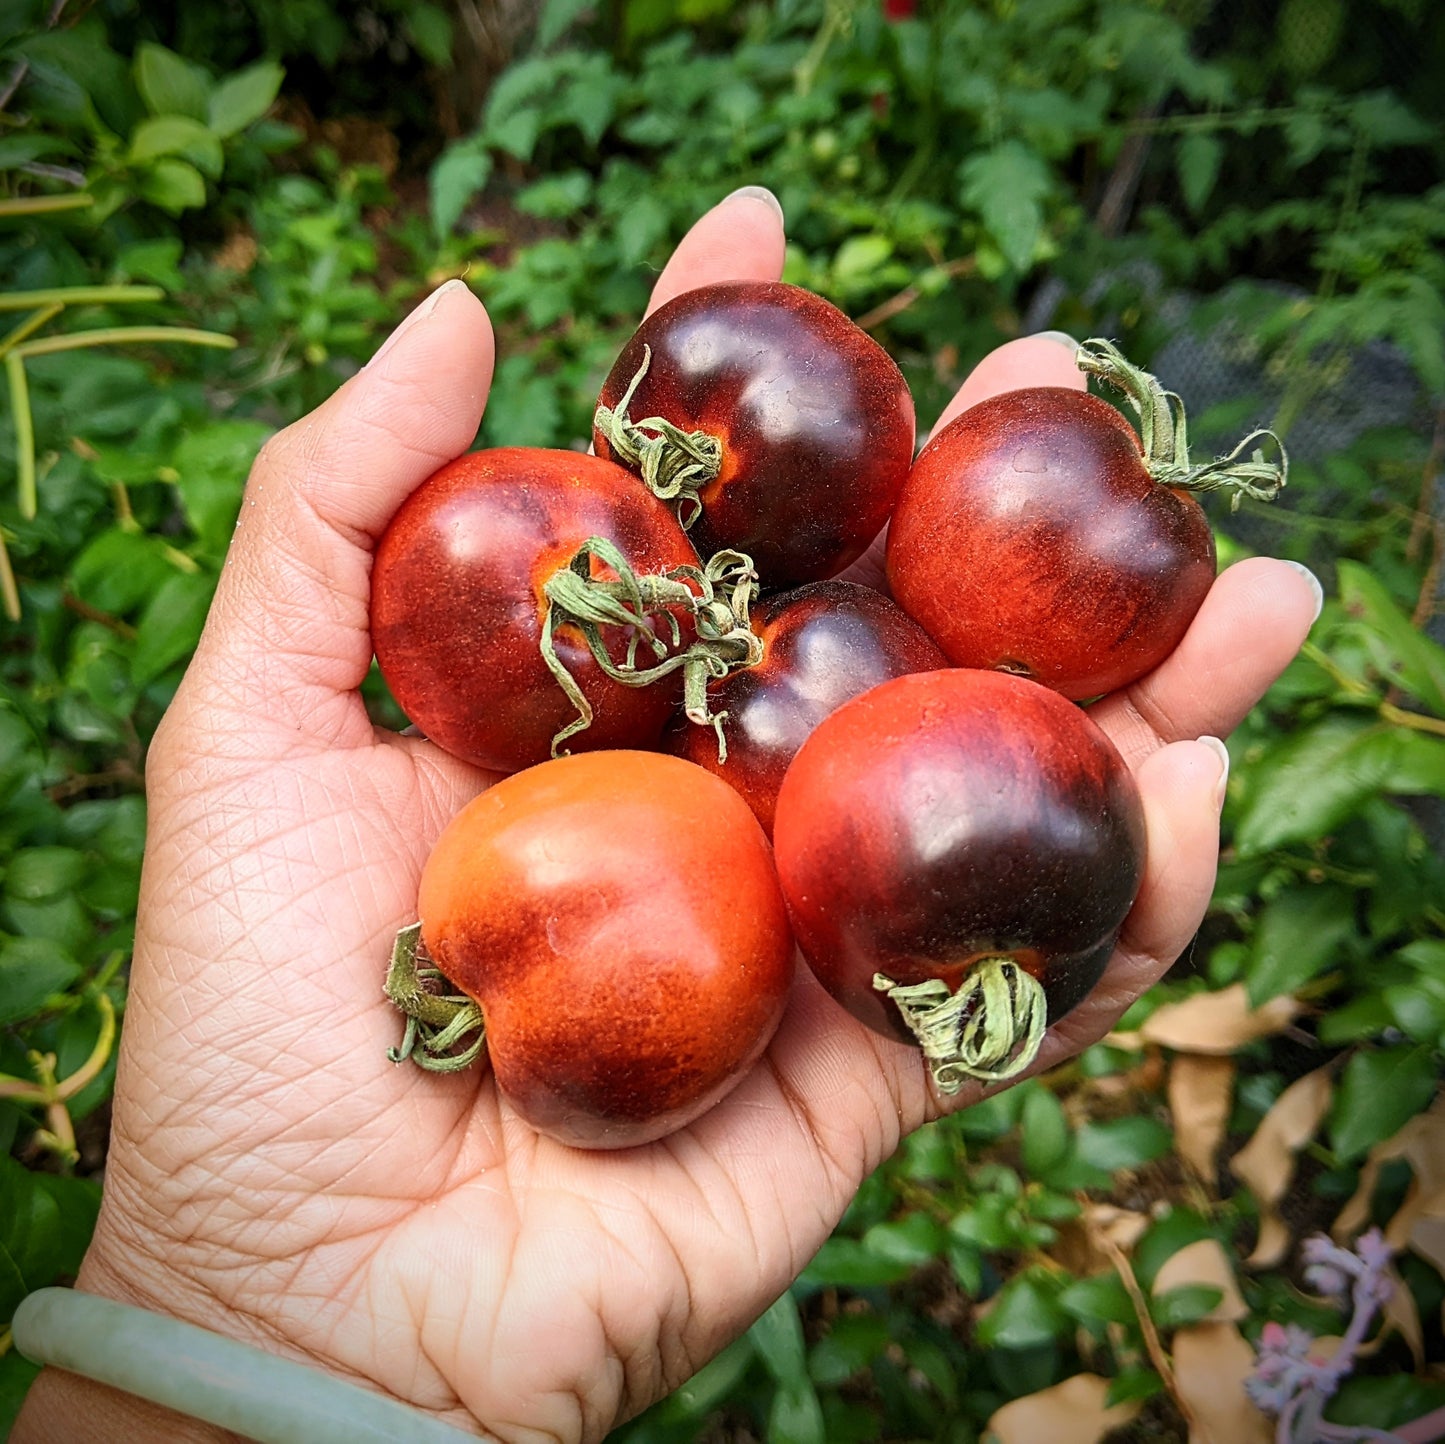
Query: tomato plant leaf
1007, 186
1310, 781
1025, 1314
1198, 159
173, 185
1380, 1090
211, 465
1404, 654
460, 174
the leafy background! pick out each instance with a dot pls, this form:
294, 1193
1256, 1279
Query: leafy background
1250, 194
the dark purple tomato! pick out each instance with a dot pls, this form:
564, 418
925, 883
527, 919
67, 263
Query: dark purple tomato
457, 603
809, 422
958, 851
1031, 537
618, 920
822, 645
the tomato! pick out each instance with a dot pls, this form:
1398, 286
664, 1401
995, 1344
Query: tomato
795, 426
458, 603
618, 919
1035, 535
958, 851
822, 644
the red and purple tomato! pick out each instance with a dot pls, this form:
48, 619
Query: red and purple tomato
1031, 537
958, 851
809, 421
458, 603
617, 918
823, 644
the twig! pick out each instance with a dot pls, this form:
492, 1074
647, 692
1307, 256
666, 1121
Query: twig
887, 310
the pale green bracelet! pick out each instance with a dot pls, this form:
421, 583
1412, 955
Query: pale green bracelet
211, 1377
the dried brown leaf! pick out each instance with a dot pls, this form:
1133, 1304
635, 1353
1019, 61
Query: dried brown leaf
1204, 1262
1069, 1413
1421, 1142
1266, 1163
1201, 1089
1217, 1023
1211, 1363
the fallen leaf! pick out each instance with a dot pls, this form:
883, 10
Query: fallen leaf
1217, 1022
1419, 1222
1201, 1090
1204, 1262
1267, 1162
1211, 1363
1069, 1413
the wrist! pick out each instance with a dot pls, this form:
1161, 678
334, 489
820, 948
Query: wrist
62, 1407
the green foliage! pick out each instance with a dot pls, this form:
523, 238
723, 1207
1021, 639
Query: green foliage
950, 178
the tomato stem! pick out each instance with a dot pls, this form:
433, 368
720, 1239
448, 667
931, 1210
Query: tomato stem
675, 465
715, 597
989, 1030
1165, 435
436, 1023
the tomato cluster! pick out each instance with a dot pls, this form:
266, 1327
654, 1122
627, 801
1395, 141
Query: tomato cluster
903, 786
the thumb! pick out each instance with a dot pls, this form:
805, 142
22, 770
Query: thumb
287, 642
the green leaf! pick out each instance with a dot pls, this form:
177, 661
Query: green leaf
1312, 780
1132, 1384
778, 1338
796, 1416
45, 1226
1177, 1308
557, 17
641, 227
177, 135
171, 625
243, 98
460, 174
1299, 934
170, 85
173, 185
1122, 1143
1380, 1090
118, 570
852, 1342
429, 28
1198, 160
1102, 1299
1006, 186
858, 258
914, 1240
31, 969
1023, 1316
37, 874
1404, 654
845, 1263
211, 464
1043, 1132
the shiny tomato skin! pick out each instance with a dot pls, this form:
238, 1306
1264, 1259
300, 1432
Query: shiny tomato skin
457, 602
617, 917
824, 643
1030, 537
945, 817
815, 419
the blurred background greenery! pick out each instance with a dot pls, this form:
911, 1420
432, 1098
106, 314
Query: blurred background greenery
1249, 194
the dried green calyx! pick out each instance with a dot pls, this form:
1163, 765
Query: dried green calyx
1165, 435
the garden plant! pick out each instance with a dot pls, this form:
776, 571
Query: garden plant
1226, 1221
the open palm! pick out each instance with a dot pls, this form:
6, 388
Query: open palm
272, 1177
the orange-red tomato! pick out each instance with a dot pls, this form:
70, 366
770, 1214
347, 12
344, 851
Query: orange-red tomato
618, 919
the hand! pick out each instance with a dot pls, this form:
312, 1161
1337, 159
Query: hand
271, 1177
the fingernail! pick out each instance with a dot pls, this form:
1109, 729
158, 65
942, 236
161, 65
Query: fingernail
422, 311
1061, 338
1222, 752
1315, 586
758, 193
